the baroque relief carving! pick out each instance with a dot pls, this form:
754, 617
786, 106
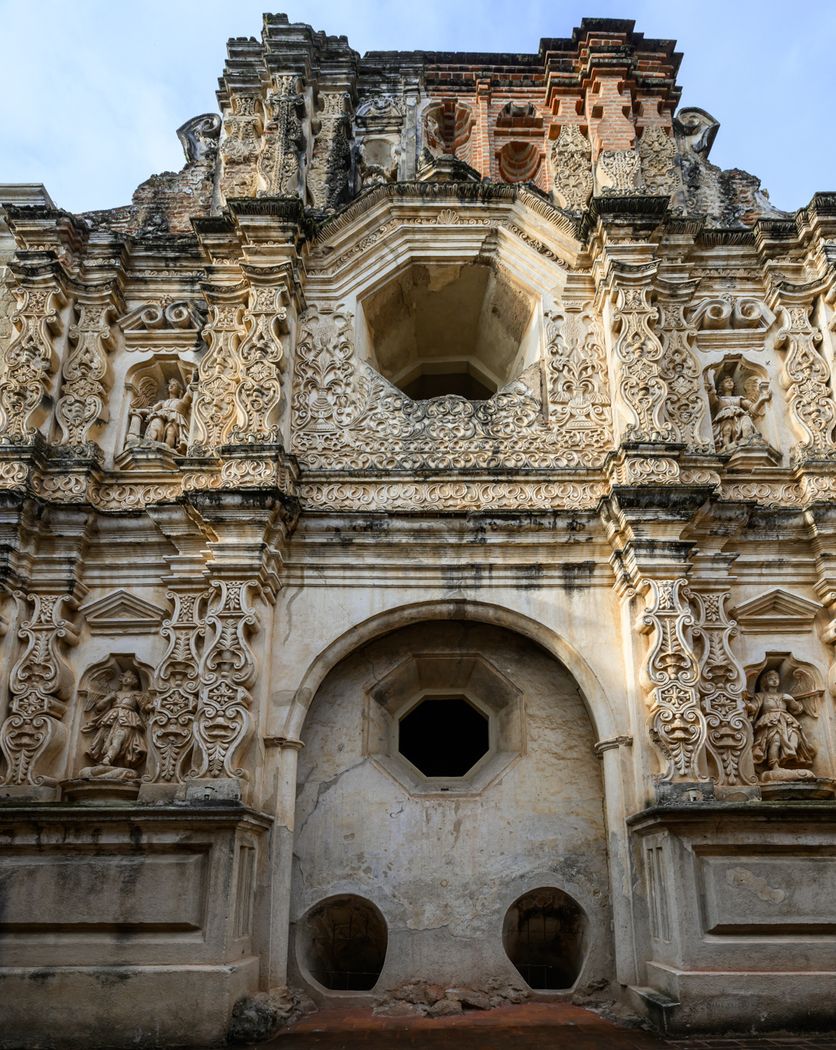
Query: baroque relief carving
657, 153
29, 360
782, 694
643, 392
346, 415
240, 146
284, 139
807, 380
328, 176
721, 687
83, 399
677, 725
721, 313
217, 378
618, 173
160, 416
571, 161
258, 390
40, 685
685, 404
164, 325
176, 684
737, 398
117, 706
227, 670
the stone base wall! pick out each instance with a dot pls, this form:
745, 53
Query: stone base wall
733, 902
126, 925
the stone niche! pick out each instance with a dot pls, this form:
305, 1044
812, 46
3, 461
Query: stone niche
444, 870
436, 329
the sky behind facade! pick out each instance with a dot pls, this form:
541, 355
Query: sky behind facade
94, 90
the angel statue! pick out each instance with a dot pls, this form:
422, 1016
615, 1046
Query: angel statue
734, 415
779, 741
118, 724
160, 421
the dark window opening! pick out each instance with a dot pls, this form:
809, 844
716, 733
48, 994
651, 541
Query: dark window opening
543, 935
343, 942
444, 736
441, 384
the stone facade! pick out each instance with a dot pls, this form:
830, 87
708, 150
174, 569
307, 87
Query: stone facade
436, 388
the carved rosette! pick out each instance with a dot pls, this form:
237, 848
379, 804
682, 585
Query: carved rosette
284, 140
240, 146
641, 387
331, 162
721, 686
29, 360
40, 685
214, 408
176, 684
258, 391
227, 669
571, 162
83, 399
677, 725
807, 380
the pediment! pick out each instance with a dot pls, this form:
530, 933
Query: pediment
389, 226
121, 612
776, 611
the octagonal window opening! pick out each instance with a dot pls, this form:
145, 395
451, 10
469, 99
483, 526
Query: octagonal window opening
444, 736
452, 328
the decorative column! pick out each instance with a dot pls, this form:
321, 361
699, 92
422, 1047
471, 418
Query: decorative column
806, 375
214, 411
685, 403
40, 687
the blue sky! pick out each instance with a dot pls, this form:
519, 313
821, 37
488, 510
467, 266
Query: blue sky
94, 89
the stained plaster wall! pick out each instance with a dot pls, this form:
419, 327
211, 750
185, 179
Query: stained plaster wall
443, 870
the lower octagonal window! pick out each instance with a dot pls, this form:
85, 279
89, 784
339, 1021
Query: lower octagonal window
444, 736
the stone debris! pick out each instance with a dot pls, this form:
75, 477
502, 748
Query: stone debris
433, 1000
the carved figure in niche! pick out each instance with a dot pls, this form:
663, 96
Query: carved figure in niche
780, 744
118, 726
733, 414
164, 421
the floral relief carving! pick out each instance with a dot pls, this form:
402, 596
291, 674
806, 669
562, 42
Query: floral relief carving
685, 404
240, 145
347, 415
807, 381
176, 685
657, 153
284, 140
642, 389
40, 685
214, 408
331, 161
618, 172
721, 686
29, 360
83, 399
677, 725
258, 390
227, 670
571, 162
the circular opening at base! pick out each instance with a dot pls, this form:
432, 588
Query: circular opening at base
543, 936
343, 943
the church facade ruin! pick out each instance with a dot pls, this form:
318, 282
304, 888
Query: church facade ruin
418, 564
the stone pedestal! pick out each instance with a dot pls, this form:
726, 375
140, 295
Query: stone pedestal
126, 926
730, 899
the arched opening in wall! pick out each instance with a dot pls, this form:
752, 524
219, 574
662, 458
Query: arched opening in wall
544, 935
342, 943
518, 162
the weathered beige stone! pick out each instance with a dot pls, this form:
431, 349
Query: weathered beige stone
512, 415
